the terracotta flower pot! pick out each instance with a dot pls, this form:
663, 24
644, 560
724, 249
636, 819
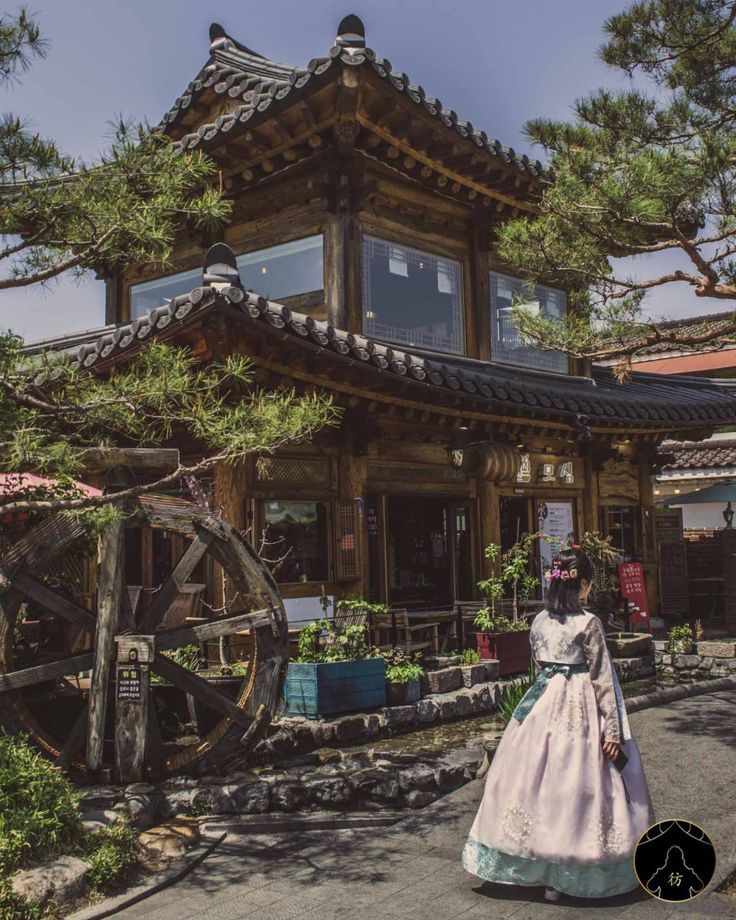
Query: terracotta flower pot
510, 648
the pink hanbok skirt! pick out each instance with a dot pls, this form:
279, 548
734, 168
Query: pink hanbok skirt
555, 809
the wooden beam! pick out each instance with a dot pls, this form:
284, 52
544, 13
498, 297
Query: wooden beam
54, 602
75, 740
109, 597
179, 577
200, 689
211, 629
27, 677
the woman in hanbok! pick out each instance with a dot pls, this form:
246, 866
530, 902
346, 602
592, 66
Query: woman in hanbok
565, 798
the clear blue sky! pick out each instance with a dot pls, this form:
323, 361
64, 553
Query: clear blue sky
496, 63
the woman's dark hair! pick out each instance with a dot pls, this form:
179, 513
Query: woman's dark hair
570, 568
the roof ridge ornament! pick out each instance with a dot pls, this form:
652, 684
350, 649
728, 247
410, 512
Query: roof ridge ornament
351, 33
220, 39
221, 268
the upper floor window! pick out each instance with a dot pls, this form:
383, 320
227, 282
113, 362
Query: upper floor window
412, 297
291, 273
507, 342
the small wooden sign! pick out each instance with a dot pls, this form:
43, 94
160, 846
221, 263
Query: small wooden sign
129, 684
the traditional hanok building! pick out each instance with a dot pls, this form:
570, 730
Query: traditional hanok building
364, 220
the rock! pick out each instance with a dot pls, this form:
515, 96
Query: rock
141, 807
419, 799
252, 798
724, 649
322, 732
464, 703
493, 668
449, 776
419, 776
347, 728
376, 783
687, 661
289, 795
176, 802
448, 708
442, 681
170, 840
100, 797
61, 880
473, 674
374, 724
327, 755
401, 758
94, 820
332, 791
427, 711
398, 717
706, 663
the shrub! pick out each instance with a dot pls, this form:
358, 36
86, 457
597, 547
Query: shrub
400, 669
513, 692
113, 853
324, 640
471, 656
38, 806
680, 639
486, 621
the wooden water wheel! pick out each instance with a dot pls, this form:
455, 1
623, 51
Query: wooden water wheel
75, 701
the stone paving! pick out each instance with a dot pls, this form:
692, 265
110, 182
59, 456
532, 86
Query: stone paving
412, 869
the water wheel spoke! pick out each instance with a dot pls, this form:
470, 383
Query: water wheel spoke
27, 677
257, 728
190, 682
75, 740
211, 629
109, 595
54, 602
177, 579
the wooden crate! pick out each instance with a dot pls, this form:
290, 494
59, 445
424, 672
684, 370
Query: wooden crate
323, 689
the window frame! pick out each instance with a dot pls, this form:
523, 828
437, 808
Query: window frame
390, 240
495, 358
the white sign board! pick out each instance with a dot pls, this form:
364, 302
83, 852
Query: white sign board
555, 519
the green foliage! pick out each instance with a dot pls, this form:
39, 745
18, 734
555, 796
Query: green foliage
113, 854
470, 656
680, 639
509, 569
487, 621
323, 640
402, 668
636, 173
38, 806
513, 692
360, 604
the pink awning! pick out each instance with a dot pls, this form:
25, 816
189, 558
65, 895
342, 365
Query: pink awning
17, 482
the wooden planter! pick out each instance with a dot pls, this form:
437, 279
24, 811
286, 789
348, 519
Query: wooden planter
326, 688
401, 694
628, 645
510, 648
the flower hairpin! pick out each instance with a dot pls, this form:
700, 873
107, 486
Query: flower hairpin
564, 574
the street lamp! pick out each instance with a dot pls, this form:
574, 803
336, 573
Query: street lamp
728, 516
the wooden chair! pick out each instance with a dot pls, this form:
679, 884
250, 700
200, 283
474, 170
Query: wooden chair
353, 617
412, 637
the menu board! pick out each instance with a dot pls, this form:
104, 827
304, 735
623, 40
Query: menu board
631, 580
555, 520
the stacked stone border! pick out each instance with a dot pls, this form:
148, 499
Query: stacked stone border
708, 660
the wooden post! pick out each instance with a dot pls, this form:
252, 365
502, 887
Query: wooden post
489, 517
109, 596
132, 698
231, 489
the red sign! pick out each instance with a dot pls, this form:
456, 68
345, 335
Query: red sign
631, 578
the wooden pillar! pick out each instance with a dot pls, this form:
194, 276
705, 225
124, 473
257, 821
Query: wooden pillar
590, 499
479, 343
109, 596
351, 488
231, 489
489, 519
649, 553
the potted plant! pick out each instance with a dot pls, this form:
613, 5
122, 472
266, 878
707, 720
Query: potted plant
680, 640
402, 677
501, 637
334, 671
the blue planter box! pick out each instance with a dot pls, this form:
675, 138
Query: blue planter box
315, 690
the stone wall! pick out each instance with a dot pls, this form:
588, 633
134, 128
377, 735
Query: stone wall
707, 661
638, 668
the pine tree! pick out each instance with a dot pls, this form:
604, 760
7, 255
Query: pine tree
649, 170
59, 215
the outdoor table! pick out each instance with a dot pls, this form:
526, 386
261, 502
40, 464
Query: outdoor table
445, 619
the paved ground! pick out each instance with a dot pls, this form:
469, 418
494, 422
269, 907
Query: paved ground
412, 870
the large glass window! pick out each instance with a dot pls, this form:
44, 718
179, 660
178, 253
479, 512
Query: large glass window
290, 273
508, 344
296, 534
411, 297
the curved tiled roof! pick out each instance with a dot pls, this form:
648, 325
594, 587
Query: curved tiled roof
645, 401
260, 84
717, 453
